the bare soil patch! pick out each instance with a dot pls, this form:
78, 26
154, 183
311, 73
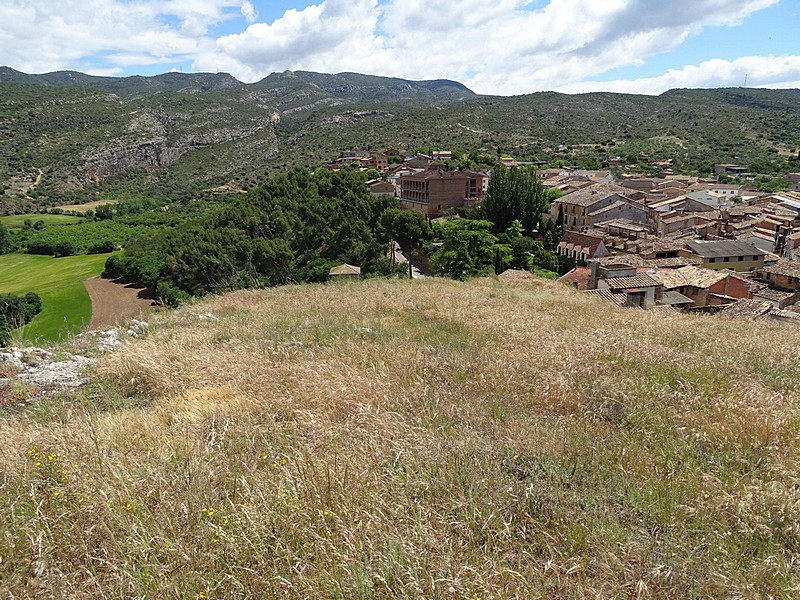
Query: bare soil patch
82, 208
114, 301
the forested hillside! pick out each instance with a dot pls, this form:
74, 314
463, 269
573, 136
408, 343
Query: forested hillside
67, 136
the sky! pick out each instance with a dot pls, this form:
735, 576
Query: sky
501, 47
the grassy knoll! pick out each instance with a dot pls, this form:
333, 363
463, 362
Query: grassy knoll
18, 221
422, 439
66, 307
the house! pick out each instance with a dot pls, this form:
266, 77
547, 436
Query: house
641, 184
726, 189
435, 192
783, 275
640, 290
376, 160
704, 200
600, 202
729, 170
794, 181
378, 187
704, 287
620, 284
726, 254
581, 246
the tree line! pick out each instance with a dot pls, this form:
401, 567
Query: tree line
292, 228
296, 226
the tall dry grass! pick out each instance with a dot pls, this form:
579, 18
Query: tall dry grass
423, 439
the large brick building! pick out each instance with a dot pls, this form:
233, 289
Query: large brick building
435, 192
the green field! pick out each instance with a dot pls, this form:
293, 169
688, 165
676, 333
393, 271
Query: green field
18, 221
66, 307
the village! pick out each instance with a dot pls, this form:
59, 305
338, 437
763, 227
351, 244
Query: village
668, 242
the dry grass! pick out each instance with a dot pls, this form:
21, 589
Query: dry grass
425, 439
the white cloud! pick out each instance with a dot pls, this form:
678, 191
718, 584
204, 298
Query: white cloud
760, 71
249, 11
510, 47
37, 36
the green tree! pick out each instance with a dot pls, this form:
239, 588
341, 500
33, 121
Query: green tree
409, 228
104, 212
514, 193
467, 250
16, 311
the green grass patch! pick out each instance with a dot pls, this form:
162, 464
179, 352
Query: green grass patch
66, 307
18, 221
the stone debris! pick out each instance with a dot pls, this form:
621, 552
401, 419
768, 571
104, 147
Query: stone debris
206, 316
54, 371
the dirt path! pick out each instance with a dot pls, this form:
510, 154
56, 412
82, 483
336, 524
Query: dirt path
113, 302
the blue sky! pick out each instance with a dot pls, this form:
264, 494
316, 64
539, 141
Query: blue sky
503, 47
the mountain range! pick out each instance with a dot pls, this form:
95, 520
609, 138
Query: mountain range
182, 132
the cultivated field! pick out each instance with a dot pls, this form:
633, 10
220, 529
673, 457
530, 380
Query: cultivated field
114, 302
414, 439
66, 307
18, 221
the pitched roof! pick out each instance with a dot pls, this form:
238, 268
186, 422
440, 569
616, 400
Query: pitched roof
675, 298
593, 194
758, 309
581, 240
609, 296
578, 277
345, 269
631, 282
722, 248
773, 295
786, 267
692, 276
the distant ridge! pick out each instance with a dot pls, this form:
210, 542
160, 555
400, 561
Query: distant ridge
350, 86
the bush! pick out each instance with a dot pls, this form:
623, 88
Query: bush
101, 248
16, 311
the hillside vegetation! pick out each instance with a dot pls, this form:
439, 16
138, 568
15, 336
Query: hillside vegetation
503, 438
68, 137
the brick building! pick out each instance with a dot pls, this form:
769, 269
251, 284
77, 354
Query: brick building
435, 192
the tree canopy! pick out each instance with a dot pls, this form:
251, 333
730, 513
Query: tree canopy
288, 229
514, 193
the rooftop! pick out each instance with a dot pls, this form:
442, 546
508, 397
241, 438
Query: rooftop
632, 282
773, 295
610, 297
723, 248
691, 276
786, 267
593, 194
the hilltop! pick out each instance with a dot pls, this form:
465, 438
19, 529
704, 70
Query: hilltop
503, 438
63, 133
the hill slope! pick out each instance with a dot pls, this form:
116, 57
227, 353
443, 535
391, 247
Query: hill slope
175, 133
495, 439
